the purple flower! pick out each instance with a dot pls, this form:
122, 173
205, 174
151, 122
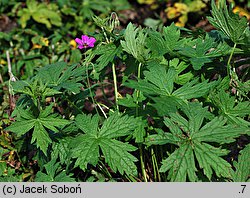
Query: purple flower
85, 42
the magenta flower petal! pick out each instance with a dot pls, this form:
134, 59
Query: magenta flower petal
91, 41
85, 42
80, 46
85, 39
78, 41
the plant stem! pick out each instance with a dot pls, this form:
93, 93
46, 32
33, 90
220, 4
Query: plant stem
138, 91
155, 166
115, 85
229, 60
161, 154
76, 107
153, 163
137, 114
105, 170
105, 35
130, 178
102, 111
12, 77
142, 164
90, 91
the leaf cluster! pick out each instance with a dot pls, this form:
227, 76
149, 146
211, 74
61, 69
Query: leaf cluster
177, 119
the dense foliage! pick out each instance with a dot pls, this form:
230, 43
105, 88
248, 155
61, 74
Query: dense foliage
143, 104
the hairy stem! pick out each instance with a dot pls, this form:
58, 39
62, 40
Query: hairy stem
105, 35
155, 166
115, 85
229, 60
137, 114
90, 91
105, 170
142, 164
138, 91
12, 77
12, 100
102, 110
89, 86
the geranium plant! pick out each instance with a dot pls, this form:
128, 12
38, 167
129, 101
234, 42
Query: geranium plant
142, 105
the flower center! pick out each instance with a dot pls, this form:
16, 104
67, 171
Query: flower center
85, 45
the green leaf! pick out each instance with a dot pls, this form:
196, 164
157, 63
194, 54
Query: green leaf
42, 177
11, 179
21, 127
45, 112
209, 159
181, 164
26, 114
143, 86
232, 25
129, 45
134, 44
162, 138
215, 131
54, 173
35, 88
233, 111
127, 101
22, 87
53, 16
166, 42
52, 72
41, 137
51, 123
194, 89
41, 18
159, 82
59, 75
3, 168
161, 79
117, 126
87, 124
25, 16
61, 149
242, 166
203, 51
166, 104
180, 66
51, 168
88, 7
63, 177
140, 131
39, 125
42, 13
191, 132
50, 92
118, 157
106, 53
76, 56
85, 147
196, 115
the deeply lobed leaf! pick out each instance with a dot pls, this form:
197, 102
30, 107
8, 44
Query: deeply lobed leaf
232, 25
191, 135
118, 157
180, 165
86, 147
242, 166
